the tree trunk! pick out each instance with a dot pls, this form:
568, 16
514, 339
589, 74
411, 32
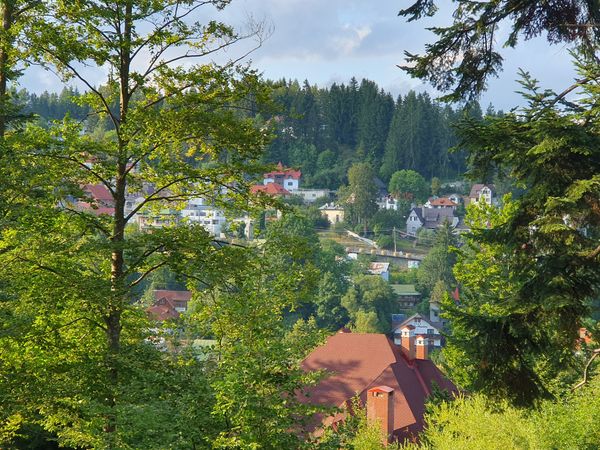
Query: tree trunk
119, 294
7, 18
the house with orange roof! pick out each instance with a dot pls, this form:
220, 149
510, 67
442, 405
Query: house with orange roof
272, 189
393, 381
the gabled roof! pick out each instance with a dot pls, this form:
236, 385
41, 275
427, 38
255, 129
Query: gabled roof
377, 268
172, 295
404, 289
99, 192
272, 189
283, 172
442, 201
331, 207
476, 189
360, 361
163, 312
416, 316
419, 213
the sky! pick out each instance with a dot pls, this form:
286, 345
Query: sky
326, 41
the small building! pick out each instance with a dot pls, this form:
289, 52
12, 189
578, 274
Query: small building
429, 218
380, 268
334, 213
179, 299
149, 219
422, 326
284, 177
202, 212
414, 221
311, 195
406, 295
441, 203
485, 193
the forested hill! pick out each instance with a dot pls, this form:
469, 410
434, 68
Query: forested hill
323, 131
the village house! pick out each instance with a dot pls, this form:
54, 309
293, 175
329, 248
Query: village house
309, 196
393, 381
441, 203
168, 304
380, 268
430, 330
272, 189
286, 178
429, 218
202, 212
483, 193
407, 296
334, 213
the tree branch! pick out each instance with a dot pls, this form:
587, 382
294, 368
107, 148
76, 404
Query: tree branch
146, 273
585, 370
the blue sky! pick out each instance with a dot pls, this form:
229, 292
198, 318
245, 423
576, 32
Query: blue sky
328, 41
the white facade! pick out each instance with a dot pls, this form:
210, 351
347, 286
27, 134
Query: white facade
421, 327
288, 183
211, 218
413, 223
309, 195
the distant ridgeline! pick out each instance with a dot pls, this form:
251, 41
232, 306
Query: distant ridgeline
323, 131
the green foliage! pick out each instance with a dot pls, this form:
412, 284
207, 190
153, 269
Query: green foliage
361, 194
257, 374
370, 301
436, 185
464, 54
438, 264
475, 423
409, 185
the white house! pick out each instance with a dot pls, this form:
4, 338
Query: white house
430, 218
441, 203
310, 195
286, 178
483, 192
422, 326
199, 211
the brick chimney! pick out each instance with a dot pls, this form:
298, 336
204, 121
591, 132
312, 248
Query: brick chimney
408, 341
380, 406
421, 348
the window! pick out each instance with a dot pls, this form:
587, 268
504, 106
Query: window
429, 330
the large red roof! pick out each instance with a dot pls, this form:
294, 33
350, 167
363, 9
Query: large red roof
358, 362
269, 189
285, 173
162, 312
99, 192
442, 201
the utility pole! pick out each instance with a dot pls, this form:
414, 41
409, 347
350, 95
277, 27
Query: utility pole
394, 234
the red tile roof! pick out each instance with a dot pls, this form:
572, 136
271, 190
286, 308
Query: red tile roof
172, 295
285, 173
99, 192
269, 189
162, 312
442, 201
358, 362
